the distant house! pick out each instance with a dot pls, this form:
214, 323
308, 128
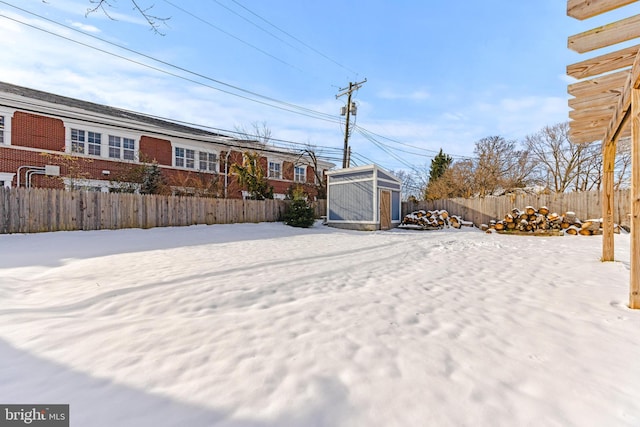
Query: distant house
97, 147
363, 198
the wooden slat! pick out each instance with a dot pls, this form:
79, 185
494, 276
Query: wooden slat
582, 137
581, 128
604, 63
606, 35
613, 82
591, 113
595, 124
578, 128
591, 125
594, 101
583, 9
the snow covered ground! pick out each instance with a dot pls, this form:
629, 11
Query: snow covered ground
267, 325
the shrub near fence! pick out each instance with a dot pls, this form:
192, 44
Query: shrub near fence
39, 210
481, 210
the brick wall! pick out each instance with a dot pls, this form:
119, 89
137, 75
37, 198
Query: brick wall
30, 130
156, 149
36, 132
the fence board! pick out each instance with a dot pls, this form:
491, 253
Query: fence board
481, 210
32, 210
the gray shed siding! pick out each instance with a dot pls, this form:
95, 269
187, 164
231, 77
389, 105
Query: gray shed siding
352, 202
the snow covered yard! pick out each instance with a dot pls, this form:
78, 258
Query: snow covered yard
267, 325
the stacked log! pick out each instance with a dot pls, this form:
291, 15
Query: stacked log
433, 220
531, 220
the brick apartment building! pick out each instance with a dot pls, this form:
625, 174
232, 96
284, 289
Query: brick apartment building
48, 140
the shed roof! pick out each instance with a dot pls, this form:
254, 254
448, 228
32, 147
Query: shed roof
371, 167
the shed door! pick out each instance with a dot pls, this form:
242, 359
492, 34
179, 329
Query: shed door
385, 210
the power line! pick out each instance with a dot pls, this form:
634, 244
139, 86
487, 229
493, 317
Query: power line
411, 146
383, 148
290, 107
204, 21
257, 26
295, 38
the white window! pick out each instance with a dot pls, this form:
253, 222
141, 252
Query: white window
93, 139
78, 141
1, 129
300, 174
207, 162
128, 149
115, 147
179, 157
185, 158
275, 170
121, 148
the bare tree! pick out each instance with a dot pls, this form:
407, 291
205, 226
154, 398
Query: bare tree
155, 22
623, 164
560, 164
457, 181
500, 165
258, 132
589, 171
309, 157
410, 187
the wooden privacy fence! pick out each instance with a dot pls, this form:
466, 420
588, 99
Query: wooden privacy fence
39, 210
481, 210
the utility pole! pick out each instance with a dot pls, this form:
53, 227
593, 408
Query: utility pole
350, 108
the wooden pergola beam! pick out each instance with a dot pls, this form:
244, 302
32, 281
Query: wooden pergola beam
586, 137
613, 82
606, 35
604, 112
604, 63
583, 9
597, 100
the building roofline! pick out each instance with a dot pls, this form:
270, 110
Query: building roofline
73, 109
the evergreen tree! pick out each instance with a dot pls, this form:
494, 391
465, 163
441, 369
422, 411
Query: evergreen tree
300, 212
439, 165
152, 180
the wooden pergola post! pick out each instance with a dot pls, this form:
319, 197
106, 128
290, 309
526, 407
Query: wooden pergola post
634, 287
608, 200
606, 99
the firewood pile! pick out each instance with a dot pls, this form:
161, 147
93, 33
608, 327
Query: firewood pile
531, 220
433, 220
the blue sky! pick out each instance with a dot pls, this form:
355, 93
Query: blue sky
439, 74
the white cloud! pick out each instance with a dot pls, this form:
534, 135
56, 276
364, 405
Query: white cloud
84, 8
418, 95
85, 27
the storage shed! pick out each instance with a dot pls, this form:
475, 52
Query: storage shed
363, 198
